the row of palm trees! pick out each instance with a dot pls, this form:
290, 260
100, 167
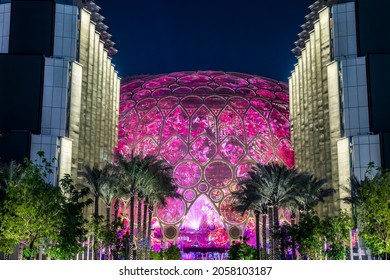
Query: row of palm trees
142, 180
271, 188
147, 181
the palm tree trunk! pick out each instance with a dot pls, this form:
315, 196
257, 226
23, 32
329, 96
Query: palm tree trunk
116, 207
257, 218
149, 232
265, 235
293, 242
96, 206
108, 216
275, 229
139, 236
144, 229
131, 226
126, 246
126, 236
271, 233
97, 249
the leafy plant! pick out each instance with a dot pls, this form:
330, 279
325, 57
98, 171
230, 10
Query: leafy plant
309, 236
336, 231
241, 251
72, 228
156, 255
34, 213
30, 211
374, 214
172, 253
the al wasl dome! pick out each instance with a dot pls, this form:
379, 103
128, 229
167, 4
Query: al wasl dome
211, 126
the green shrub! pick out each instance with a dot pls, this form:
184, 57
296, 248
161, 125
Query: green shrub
241, 251
172, 253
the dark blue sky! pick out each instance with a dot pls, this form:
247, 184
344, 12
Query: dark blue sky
162, 36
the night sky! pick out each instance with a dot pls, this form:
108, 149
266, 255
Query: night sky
162, 36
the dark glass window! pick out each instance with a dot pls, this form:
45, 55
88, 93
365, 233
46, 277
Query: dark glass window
378, 91
373, 26
385, 143
21, 80
32, 27
14, 146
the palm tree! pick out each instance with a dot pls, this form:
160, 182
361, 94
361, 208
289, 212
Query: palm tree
110, 189
141, 176
129, 177
309, 192
249, 197
277, 186
150, 183
356, 198
157, 195
109, 192
96, 177
149, 180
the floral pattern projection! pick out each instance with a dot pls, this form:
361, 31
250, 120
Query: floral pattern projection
211, 127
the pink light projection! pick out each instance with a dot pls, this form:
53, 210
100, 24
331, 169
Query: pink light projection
211, 126
203, 226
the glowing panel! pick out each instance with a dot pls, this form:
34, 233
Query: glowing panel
173, 150
203, 149
187, 174
218, 174
228, 212
172, 213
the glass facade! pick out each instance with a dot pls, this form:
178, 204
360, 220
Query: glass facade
96, 130
315, 119
211, 127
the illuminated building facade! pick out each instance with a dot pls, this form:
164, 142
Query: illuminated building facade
338, 93
60, 91
211, 126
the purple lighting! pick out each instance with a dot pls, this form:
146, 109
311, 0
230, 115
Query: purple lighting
211, 126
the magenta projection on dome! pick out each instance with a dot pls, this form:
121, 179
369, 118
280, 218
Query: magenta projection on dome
211, 127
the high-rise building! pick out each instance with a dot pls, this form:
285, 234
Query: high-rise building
59, 90
338, 93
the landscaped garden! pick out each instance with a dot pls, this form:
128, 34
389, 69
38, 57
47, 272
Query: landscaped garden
40, 221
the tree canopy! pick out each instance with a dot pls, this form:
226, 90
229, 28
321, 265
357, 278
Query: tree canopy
374, 213
34, 213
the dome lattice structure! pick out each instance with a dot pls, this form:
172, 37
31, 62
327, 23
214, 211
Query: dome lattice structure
211, 126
